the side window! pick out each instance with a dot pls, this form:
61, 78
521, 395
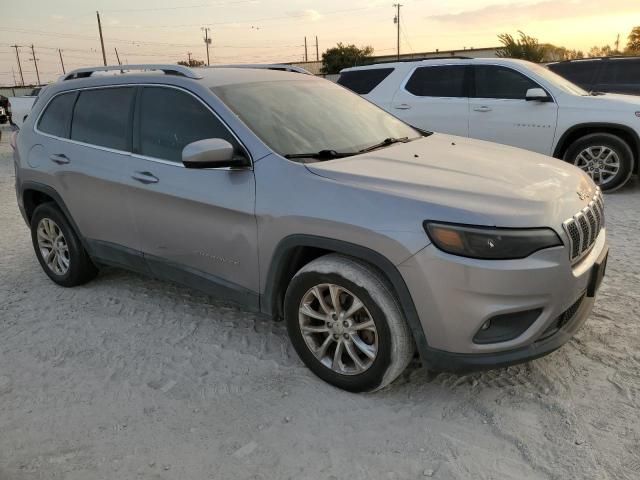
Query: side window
581, 73
364, 81
438, 81
56, 118
102, 117
501, 82
171, 119
621, 71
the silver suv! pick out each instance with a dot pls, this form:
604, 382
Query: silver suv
297, 198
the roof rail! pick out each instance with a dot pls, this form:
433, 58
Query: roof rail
598, 58
422, 59
168, 69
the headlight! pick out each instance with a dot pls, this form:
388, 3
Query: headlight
490, 243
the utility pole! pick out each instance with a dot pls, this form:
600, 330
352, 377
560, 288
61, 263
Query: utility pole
189, 55
207, 42
61, 61
306, 58
19, 64
35, 62
117, 56
618, 43
104, 55
317, 51
397, 22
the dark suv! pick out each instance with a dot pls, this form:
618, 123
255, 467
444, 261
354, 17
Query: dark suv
607, 74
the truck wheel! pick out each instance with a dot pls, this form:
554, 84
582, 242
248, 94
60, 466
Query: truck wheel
346, 324
58, 249
606, 158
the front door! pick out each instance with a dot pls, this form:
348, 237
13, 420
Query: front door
434, 98
499, 112
195, 226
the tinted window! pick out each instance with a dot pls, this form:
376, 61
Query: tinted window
621, 71
102, 117
55, 119
445, 81
363, 81
501, 82
582, 73
171, 119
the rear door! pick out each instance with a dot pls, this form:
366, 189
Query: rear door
620, 75
435, 98
500, 113
87, 154
191, 223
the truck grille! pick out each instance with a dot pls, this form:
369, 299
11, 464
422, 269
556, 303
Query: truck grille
583, 228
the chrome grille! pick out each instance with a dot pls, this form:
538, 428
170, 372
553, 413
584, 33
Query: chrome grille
584, 227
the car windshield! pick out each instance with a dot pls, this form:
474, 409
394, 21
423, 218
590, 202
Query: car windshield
296, 117
558, 81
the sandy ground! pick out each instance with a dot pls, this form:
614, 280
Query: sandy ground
130, 378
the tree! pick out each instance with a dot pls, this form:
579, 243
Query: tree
343, 56
633, 45
525, 47
605, 51
191, 63
553, 53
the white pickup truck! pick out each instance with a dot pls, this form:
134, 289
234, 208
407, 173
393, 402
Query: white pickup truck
19, 107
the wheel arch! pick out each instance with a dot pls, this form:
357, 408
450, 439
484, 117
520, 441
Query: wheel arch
295, 251
34, 194
577, 131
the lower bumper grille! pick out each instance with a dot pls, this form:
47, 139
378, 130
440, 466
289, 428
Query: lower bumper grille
564, 318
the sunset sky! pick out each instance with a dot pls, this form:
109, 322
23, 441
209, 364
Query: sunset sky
257, 31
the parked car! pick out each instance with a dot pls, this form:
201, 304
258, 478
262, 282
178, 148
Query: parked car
606, 74
4, 109
511, 102
295, 197
21, 106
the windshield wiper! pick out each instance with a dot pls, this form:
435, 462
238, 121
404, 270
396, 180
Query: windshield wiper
385, 143
595, 94
321, 155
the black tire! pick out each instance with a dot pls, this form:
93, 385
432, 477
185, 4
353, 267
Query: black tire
616, 144
395, 345
80, 269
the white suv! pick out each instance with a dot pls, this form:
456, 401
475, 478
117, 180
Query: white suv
511, 102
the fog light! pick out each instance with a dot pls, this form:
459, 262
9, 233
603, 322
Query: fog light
505, 327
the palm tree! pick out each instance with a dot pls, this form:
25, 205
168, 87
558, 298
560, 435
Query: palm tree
525, 47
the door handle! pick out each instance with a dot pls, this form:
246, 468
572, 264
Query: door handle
59, 158
145, 177
483, 108
402, 106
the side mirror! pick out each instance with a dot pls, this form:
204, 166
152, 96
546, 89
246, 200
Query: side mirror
211, 153
537, 95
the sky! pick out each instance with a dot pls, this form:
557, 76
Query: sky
263, 31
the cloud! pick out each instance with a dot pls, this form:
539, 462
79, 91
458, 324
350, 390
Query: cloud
57, 17
308, 14
541, 10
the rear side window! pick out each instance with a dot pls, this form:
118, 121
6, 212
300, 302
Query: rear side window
102, 117
364, 81
171, 119
56, 118
621, 71
581, 73
501, 82
444, 81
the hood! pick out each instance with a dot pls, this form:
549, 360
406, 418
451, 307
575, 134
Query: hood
611, 101
469, 181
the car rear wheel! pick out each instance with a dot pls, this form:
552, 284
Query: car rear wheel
346, 325
58, 249
606, 158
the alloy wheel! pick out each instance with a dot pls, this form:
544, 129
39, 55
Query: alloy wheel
601, 163
53, 246
338, 329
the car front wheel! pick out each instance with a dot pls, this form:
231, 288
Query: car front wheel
346, 325
606, 158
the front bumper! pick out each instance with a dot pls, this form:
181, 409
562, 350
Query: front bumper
455, 296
